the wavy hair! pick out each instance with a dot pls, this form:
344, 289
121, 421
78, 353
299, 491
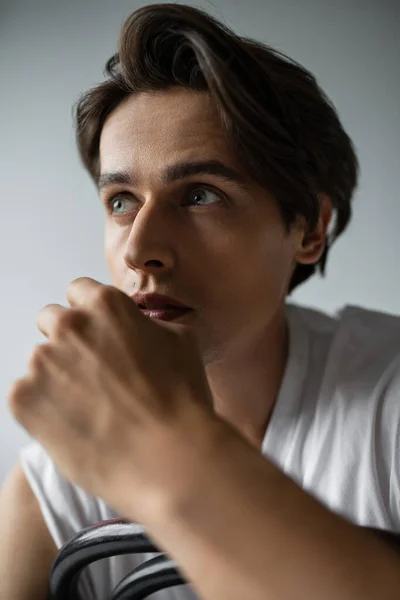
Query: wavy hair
282, 127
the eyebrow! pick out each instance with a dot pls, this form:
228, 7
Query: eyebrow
177, 172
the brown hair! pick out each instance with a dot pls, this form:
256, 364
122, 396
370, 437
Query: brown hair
281, 125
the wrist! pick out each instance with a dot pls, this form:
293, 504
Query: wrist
193, 448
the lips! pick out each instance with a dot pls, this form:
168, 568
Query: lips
166, 314
157, 301
160, 306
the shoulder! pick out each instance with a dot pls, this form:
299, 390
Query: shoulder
360, 344
369, 345
369, 327
353, 367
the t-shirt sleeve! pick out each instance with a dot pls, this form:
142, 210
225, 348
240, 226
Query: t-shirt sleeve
65, 507
392, 429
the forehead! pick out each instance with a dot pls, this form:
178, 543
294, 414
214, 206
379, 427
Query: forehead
162, 127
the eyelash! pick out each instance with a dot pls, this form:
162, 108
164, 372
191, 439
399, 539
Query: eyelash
111, 199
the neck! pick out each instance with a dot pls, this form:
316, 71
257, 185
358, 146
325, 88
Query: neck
245, 384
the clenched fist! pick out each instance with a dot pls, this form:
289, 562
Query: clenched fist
120, 402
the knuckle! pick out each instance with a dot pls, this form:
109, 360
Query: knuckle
37, 357
104, 296
17, 392
69, 320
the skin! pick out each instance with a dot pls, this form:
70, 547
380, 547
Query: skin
225, 250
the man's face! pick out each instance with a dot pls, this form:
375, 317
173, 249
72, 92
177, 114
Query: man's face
216, 244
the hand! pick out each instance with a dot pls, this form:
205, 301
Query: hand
115, 398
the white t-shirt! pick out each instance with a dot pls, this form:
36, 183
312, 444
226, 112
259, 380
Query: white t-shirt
334, 430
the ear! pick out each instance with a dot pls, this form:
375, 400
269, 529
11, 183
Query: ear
314, 242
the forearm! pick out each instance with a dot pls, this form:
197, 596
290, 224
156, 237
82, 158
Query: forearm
242, 529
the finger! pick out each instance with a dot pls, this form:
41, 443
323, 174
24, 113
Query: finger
29, 406
48, 318
18, 392
84, 291
41, 418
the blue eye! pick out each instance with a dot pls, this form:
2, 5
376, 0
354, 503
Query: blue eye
196, 197
203, 197
111, 202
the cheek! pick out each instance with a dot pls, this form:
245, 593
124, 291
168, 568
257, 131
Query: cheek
260, 267
113, 246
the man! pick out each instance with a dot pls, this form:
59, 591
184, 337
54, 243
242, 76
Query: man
246, 434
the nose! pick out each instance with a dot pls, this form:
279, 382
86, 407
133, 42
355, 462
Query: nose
149, 245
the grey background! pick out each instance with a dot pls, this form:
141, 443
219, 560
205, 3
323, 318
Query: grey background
51, 220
